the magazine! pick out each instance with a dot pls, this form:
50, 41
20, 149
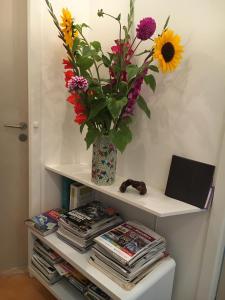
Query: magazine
128, 241
45, 223
127, 285
95, 293
47, 253
89, 215
138, 267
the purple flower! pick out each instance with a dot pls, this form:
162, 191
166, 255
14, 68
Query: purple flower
133, 95
77, 83
146, 29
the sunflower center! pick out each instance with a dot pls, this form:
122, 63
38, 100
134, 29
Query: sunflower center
168, 51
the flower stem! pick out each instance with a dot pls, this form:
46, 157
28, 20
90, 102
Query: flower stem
95, 64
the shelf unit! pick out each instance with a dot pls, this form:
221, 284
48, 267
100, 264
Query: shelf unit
62, 289
154, 202
163, 272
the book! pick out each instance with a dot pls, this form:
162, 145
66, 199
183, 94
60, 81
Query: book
189, 181
129, 241
46, 222
80, 195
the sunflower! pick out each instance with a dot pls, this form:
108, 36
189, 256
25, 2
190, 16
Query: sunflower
68, 27
168, 50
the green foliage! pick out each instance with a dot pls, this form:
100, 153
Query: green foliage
96, 45
121, 137
144, 106
106, 61
150, 81
132, 71
84, 62
154, 68
167, 22
91, 135
95, 107
115, 106
123, 88
76, 44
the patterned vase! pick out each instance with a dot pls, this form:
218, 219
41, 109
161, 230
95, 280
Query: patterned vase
104, 161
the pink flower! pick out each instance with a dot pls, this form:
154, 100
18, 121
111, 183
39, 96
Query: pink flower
78, 83
146, 29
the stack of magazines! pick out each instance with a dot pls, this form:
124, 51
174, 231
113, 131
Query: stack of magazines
43, 261
128, 253
80, 226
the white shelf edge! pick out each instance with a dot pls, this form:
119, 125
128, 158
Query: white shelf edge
61, 289
80, 262
155, 202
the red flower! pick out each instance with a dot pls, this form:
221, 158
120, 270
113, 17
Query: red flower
79, 108
81, 118
68, 75
73, 98
67, 64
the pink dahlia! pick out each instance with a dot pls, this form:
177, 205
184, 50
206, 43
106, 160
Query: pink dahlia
146, 29
78, 83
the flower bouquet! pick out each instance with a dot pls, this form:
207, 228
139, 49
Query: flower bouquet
106, 105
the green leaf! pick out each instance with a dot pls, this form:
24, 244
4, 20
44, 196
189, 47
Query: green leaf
106, 61
96, 107
122, 137
154, 68
150, 81
127, 36
86, 51
132, 71
96, 45
167, 21
84, 63
115, 106
119, 17
145, 51
123, 87
82, 127
143, 105
75, 44
91, 136
84, 25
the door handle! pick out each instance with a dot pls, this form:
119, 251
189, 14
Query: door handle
21, 125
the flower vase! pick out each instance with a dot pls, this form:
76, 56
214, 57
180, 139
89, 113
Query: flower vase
104, 160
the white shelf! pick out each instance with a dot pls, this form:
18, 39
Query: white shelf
154, 202
62, 289
80, 262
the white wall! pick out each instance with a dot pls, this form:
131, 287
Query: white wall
187, 111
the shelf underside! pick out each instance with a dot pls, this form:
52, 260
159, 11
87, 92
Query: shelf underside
154, 202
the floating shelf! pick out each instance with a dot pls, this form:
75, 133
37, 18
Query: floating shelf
62, 289
80, 262
154, 202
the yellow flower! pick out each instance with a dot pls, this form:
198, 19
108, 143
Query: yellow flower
168, 51
68, 27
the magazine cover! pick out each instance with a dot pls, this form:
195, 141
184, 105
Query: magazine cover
89, 214
128, 240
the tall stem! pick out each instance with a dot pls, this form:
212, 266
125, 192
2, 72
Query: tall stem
95, 64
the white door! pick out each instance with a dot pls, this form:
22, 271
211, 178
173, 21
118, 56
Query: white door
13, 152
